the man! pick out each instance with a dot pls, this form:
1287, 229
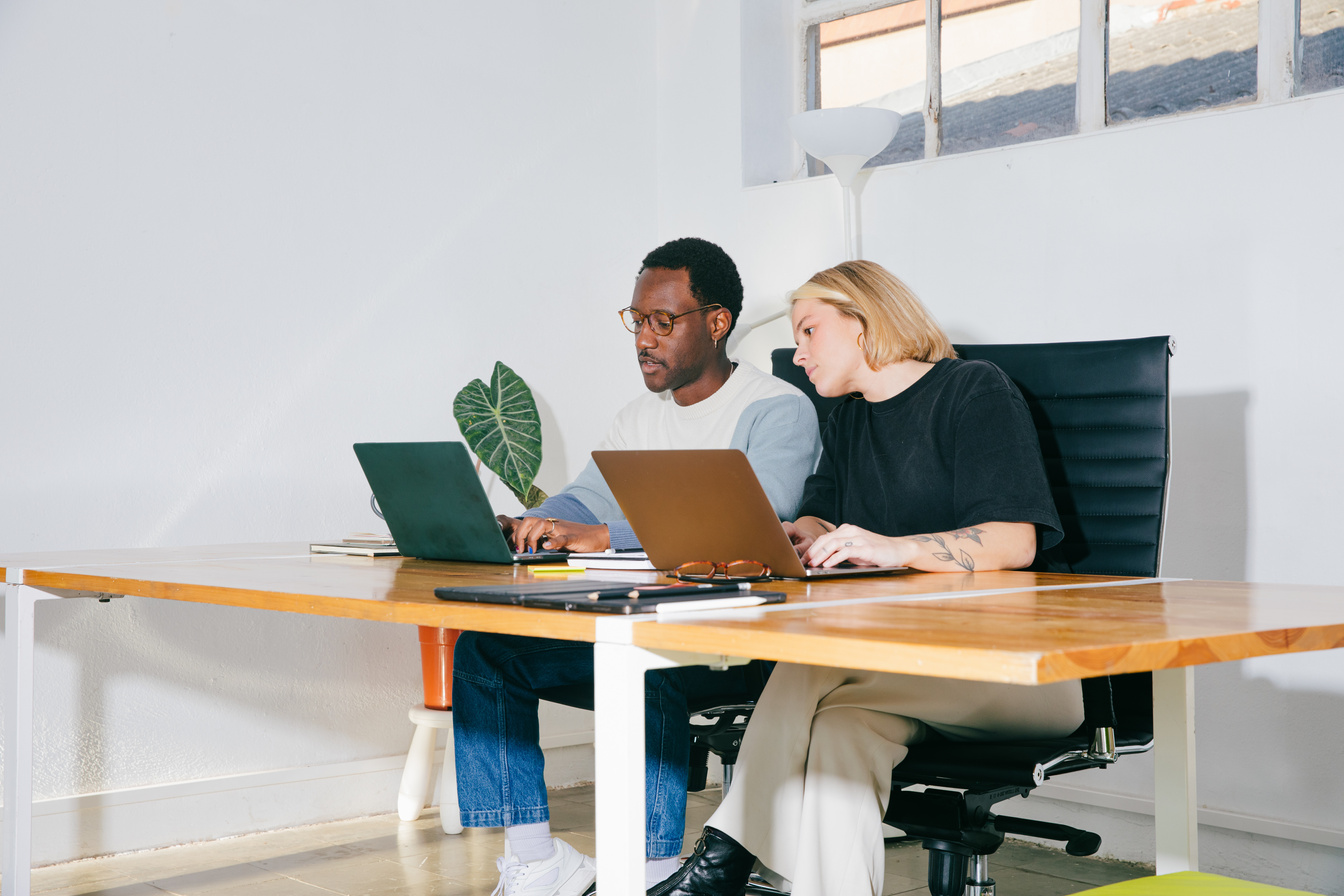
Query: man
687, 298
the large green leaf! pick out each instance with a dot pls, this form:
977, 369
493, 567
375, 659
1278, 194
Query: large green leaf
501, 425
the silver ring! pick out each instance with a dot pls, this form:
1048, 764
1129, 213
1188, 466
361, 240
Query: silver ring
849, 544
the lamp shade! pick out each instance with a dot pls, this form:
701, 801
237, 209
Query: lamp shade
845, 138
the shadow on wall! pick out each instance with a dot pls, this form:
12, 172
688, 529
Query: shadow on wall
1286, 729
1207, 515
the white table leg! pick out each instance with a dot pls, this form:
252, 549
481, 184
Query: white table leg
618, 748
1176, 812
20, 606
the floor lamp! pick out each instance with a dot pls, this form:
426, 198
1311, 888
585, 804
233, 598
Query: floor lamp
845, 139
757, 314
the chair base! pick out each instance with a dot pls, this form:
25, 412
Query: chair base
417, 777
960, 833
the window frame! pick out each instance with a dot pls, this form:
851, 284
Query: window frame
1278, 59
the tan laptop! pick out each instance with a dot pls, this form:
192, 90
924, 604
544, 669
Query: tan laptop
705, 505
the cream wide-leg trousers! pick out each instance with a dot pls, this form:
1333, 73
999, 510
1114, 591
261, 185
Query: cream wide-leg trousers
813, 775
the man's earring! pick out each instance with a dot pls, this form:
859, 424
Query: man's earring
716, 344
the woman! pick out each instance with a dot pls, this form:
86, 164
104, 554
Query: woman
934, 464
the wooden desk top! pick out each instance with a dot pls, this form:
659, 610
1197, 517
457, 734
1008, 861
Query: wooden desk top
389, 589
1033, 637
289, 578
1037, 628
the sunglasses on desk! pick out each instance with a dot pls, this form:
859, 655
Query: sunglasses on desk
714, 572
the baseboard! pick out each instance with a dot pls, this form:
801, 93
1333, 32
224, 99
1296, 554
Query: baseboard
1213, 818
68, 828
120, 821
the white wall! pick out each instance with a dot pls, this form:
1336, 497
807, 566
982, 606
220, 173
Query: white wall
236, 237
1222, 230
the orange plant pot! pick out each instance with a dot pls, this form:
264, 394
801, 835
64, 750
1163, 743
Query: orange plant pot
436, 665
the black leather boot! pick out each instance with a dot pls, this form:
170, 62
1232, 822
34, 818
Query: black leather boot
719, 867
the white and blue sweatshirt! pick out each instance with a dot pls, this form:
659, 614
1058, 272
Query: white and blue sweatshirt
772, 422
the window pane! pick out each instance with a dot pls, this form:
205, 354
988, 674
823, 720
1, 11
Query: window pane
1180, 56
1322, 62
1009, 71
876, 58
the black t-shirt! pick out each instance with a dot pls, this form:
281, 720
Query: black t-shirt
955, 449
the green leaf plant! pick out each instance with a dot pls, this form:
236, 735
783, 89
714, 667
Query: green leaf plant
501, 425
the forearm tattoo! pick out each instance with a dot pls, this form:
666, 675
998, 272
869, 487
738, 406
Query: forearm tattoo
965, 560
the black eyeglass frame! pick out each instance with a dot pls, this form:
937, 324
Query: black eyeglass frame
653, 318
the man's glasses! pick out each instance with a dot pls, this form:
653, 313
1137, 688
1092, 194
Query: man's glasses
659, 321
734, 571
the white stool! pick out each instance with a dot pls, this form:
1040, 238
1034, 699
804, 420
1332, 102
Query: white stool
414, 793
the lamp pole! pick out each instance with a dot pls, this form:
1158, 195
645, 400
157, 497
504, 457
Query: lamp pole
853, 225
845, 139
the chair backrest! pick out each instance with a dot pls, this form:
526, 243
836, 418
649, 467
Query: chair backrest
1102, 412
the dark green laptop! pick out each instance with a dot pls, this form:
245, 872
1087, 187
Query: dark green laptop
433, 503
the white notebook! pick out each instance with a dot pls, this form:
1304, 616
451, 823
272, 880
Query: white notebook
611, 560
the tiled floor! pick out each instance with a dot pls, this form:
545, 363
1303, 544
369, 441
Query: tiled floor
384, 855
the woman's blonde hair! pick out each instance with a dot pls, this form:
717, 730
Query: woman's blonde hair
896, 325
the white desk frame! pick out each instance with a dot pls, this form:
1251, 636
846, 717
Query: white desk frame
619, 668
20, 631
618, 672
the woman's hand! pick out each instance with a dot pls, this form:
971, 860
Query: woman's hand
805, 530
857, 546
801, 540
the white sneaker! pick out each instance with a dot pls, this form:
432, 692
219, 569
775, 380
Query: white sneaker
567, 872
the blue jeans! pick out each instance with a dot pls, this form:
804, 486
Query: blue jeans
496, 685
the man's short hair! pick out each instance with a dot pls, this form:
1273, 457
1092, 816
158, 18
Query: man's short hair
714, 278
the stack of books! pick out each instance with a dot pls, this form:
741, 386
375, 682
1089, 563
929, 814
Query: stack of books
611, 560
363, 544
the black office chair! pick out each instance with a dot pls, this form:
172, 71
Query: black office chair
1102, 412
719, 703
719, 721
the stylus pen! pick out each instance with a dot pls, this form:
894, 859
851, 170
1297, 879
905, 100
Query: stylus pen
720, 603
667, 590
